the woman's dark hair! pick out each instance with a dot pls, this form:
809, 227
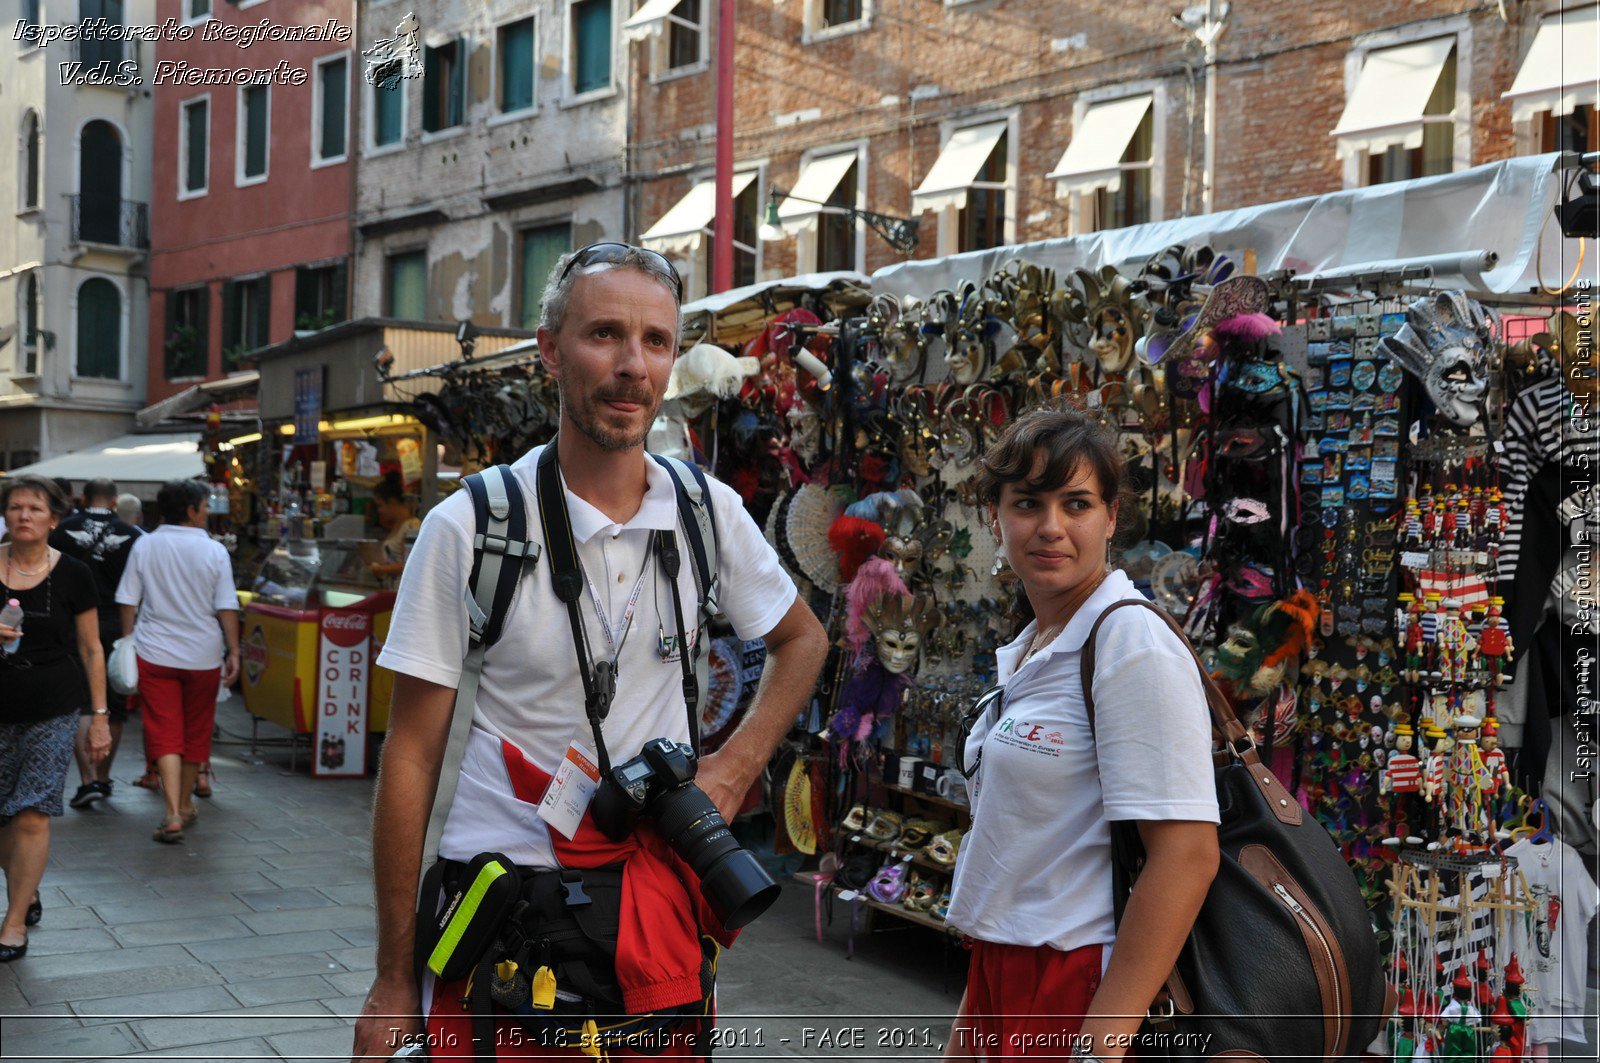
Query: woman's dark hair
58, 502
175, 498
390, 488
1068, 437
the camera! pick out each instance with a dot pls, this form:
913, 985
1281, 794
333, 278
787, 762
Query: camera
659, 783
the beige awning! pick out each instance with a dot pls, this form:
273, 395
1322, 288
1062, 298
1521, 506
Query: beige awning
1562, 69
650, 18
817, 182
1391, 93
1093, 159
957, 167
681, 228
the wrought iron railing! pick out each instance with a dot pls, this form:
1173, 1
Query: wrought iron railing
117, 222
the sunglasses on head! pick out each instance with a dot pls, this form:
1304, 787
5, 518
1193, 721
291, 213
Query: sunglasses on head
610, 253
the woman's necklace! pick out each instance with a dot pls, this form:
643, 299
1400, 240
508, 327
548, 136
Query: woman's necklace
11, 562
1048, 635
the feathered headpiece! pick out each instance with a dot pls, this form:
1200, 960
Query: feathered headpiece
875, 580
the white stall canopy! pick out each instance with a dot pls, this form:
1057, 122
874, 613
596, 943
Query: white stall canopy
1391, 94
1484, 229
130, 459
818, 180
680, 229
1093, 159
1562, 70
957, 167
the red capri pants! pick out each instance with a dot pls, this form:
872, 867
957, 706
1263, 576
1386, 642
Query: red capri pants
180, 705
1028, 1002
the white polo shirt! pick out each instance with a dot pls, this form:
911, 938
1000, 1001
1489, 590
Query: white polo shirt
530, 693
1035, 869
180, 578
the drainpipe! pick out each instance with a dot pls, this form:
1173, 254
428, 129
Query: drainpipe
1215, 14
722, 225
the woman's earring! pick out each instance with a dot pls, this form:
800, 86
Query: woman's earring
1000, 559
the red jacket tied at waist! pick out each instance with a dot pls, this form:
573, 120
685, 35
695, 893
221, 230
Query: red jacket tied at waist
663, 911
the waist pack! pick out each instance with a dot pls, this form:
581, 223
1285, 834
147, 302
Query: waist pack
540, 946
1282, 962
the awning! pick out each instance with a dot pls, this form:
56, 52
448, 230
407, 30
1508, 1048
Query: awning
1562, 69
651, 18
152, 459
237, 386
741, 314
817, 182
681, 228
1391, 94
957, 167
1093, 159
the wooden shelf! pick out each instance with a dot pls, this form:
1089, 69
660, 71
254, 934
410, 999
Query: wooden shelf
893, 849
900, 911
932, 799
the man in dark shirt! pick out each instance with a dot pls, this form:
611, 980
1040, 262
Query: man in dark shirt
100, 539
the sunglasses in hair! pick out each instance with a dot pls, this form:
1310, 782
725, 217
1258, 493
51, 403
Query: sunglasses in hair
611, 253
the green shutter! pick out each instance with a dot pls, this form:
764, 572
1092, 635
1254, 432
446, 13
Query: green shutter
255, 133
340, 286
458, 80
261, 327
408, 286
430, 90
99, 329
591, 23
334, 80
388, 102
516, 66
195, 114
540, 249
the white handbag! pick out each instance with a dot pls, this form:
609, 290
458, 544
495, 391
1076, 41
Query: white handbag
122, 667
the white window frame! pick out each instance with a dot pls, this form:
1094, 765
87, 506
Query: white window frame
211, 12
183, 147
242, 136
807, 244
369, 118
124, 320
569, 54
31, 48
815, 32
24, 208
497, 116
1080, 205
317, 161
1525, 135
1458, 26
463, 46
949, 233
661, 43
246, 3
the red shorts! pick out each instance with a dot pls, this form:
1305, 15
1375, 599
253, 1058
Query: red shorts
180, 705
1029, 1001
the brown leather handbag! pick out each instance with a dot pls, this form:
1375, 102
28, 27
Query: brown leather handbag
1282, 962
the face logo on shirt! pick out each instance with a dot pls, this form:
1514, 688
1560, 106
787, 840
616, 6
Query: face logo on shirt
669, 648
1030, 736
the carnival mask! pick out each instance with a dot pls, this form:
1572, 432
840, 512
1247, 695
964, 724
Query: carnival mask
805, 432
1445, 343
898, 650
903, 552
898, 624
967, 357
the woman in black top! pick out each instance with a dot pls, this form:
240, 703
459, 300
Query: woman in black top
56, 669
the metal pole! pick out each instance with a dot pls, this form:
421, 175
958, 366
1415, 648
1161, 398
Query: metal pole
722, 224
1212, 31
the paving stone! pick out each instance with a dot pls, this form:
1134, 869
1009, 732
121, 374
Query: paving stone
35, 1021
189, 1001
209, 880
246, 970
180, 931
337, 919
81, 1041
356, 959
84, 987
207, 1030
279, 900
360, 935
54, 941
156, 908
316, 1046
321, 858
121, 891
271, 945
253, 1048
61, 917
100, 961
282, 990
354, 893
319, 877
351, 982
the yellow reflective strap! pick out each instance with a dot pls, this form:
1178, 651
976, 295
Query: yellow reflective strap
463, 916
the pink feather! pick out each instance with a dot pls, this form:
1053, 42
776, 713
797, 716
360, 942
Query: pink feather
874, 579
1247, 328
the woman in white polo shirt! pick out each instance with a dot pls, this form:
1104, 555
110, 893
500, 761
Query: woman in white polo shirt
1033, 883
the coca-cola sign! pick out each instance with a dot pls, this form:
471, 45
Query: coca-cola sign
346, 629
344, 667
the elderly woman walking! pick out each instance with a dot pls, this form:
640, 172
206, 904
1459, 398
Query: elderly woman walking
51, 666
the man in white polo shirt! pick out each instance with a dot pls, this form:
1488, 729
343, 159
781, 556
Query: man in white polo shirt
609, 336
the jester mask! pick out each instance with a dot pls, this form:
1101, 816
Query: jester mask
1445, 343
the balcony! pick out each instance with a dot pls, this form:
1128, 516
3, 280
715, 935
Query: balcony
104, 63
110, 222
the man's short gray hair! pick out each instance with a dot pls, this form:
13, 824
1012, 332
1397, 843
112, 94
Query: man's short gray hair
558, 287
129, 508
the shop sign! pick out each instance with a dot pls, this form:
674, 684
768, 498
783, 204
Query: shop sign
344, 666
307, 404
255, 655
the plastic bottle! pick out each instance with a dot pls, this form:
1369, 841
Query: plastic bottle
11, 616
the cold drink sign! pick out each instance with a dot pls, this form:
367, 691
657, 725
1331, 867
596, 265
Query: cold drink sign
344, 664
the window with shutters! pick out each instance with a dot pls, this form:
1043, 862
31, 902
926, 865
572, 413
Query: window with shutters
319, 295
746, 243
1437, 153
836, 231
99, 354
255, 121
406, 286
1130, 203
187, 348
542, 246
685, 41
443, 86
515, 66
28, 316
196, 10
981, 224
590, 61
246, 319
31, 161
194, 144
330, 111
388, 112
100, 42
825, 19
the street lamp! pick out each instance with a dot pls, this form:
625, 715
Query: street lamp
898, 233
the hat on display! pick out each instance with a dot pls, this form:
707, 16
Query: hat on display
1483, 960
1233, 297
1514, 972
1462, 980
708, 369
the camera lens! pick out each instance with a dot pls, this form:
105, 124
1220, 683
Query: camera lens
734, 883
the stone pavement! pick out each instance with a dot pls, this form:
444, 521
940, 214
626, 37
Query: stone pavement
253, 938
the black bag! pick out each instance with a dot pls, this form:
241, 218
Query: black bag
1282, 963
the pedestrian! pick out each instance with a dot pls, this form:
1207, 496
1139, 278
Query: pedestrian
1033, 881
131, 511
100, 539
66, 489
55, 670
608, 336
396, 515
178, 602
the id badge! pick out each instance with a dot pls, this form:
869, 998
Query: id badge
570, 791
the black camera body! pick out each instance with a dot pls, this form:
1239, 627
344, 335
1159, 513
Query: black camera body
659, 784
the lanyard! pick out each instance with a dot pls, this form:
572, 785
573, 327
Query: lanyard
618, 634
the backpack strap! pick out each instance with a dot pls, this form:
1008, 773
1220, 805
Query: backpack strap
501, 554
698, 518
